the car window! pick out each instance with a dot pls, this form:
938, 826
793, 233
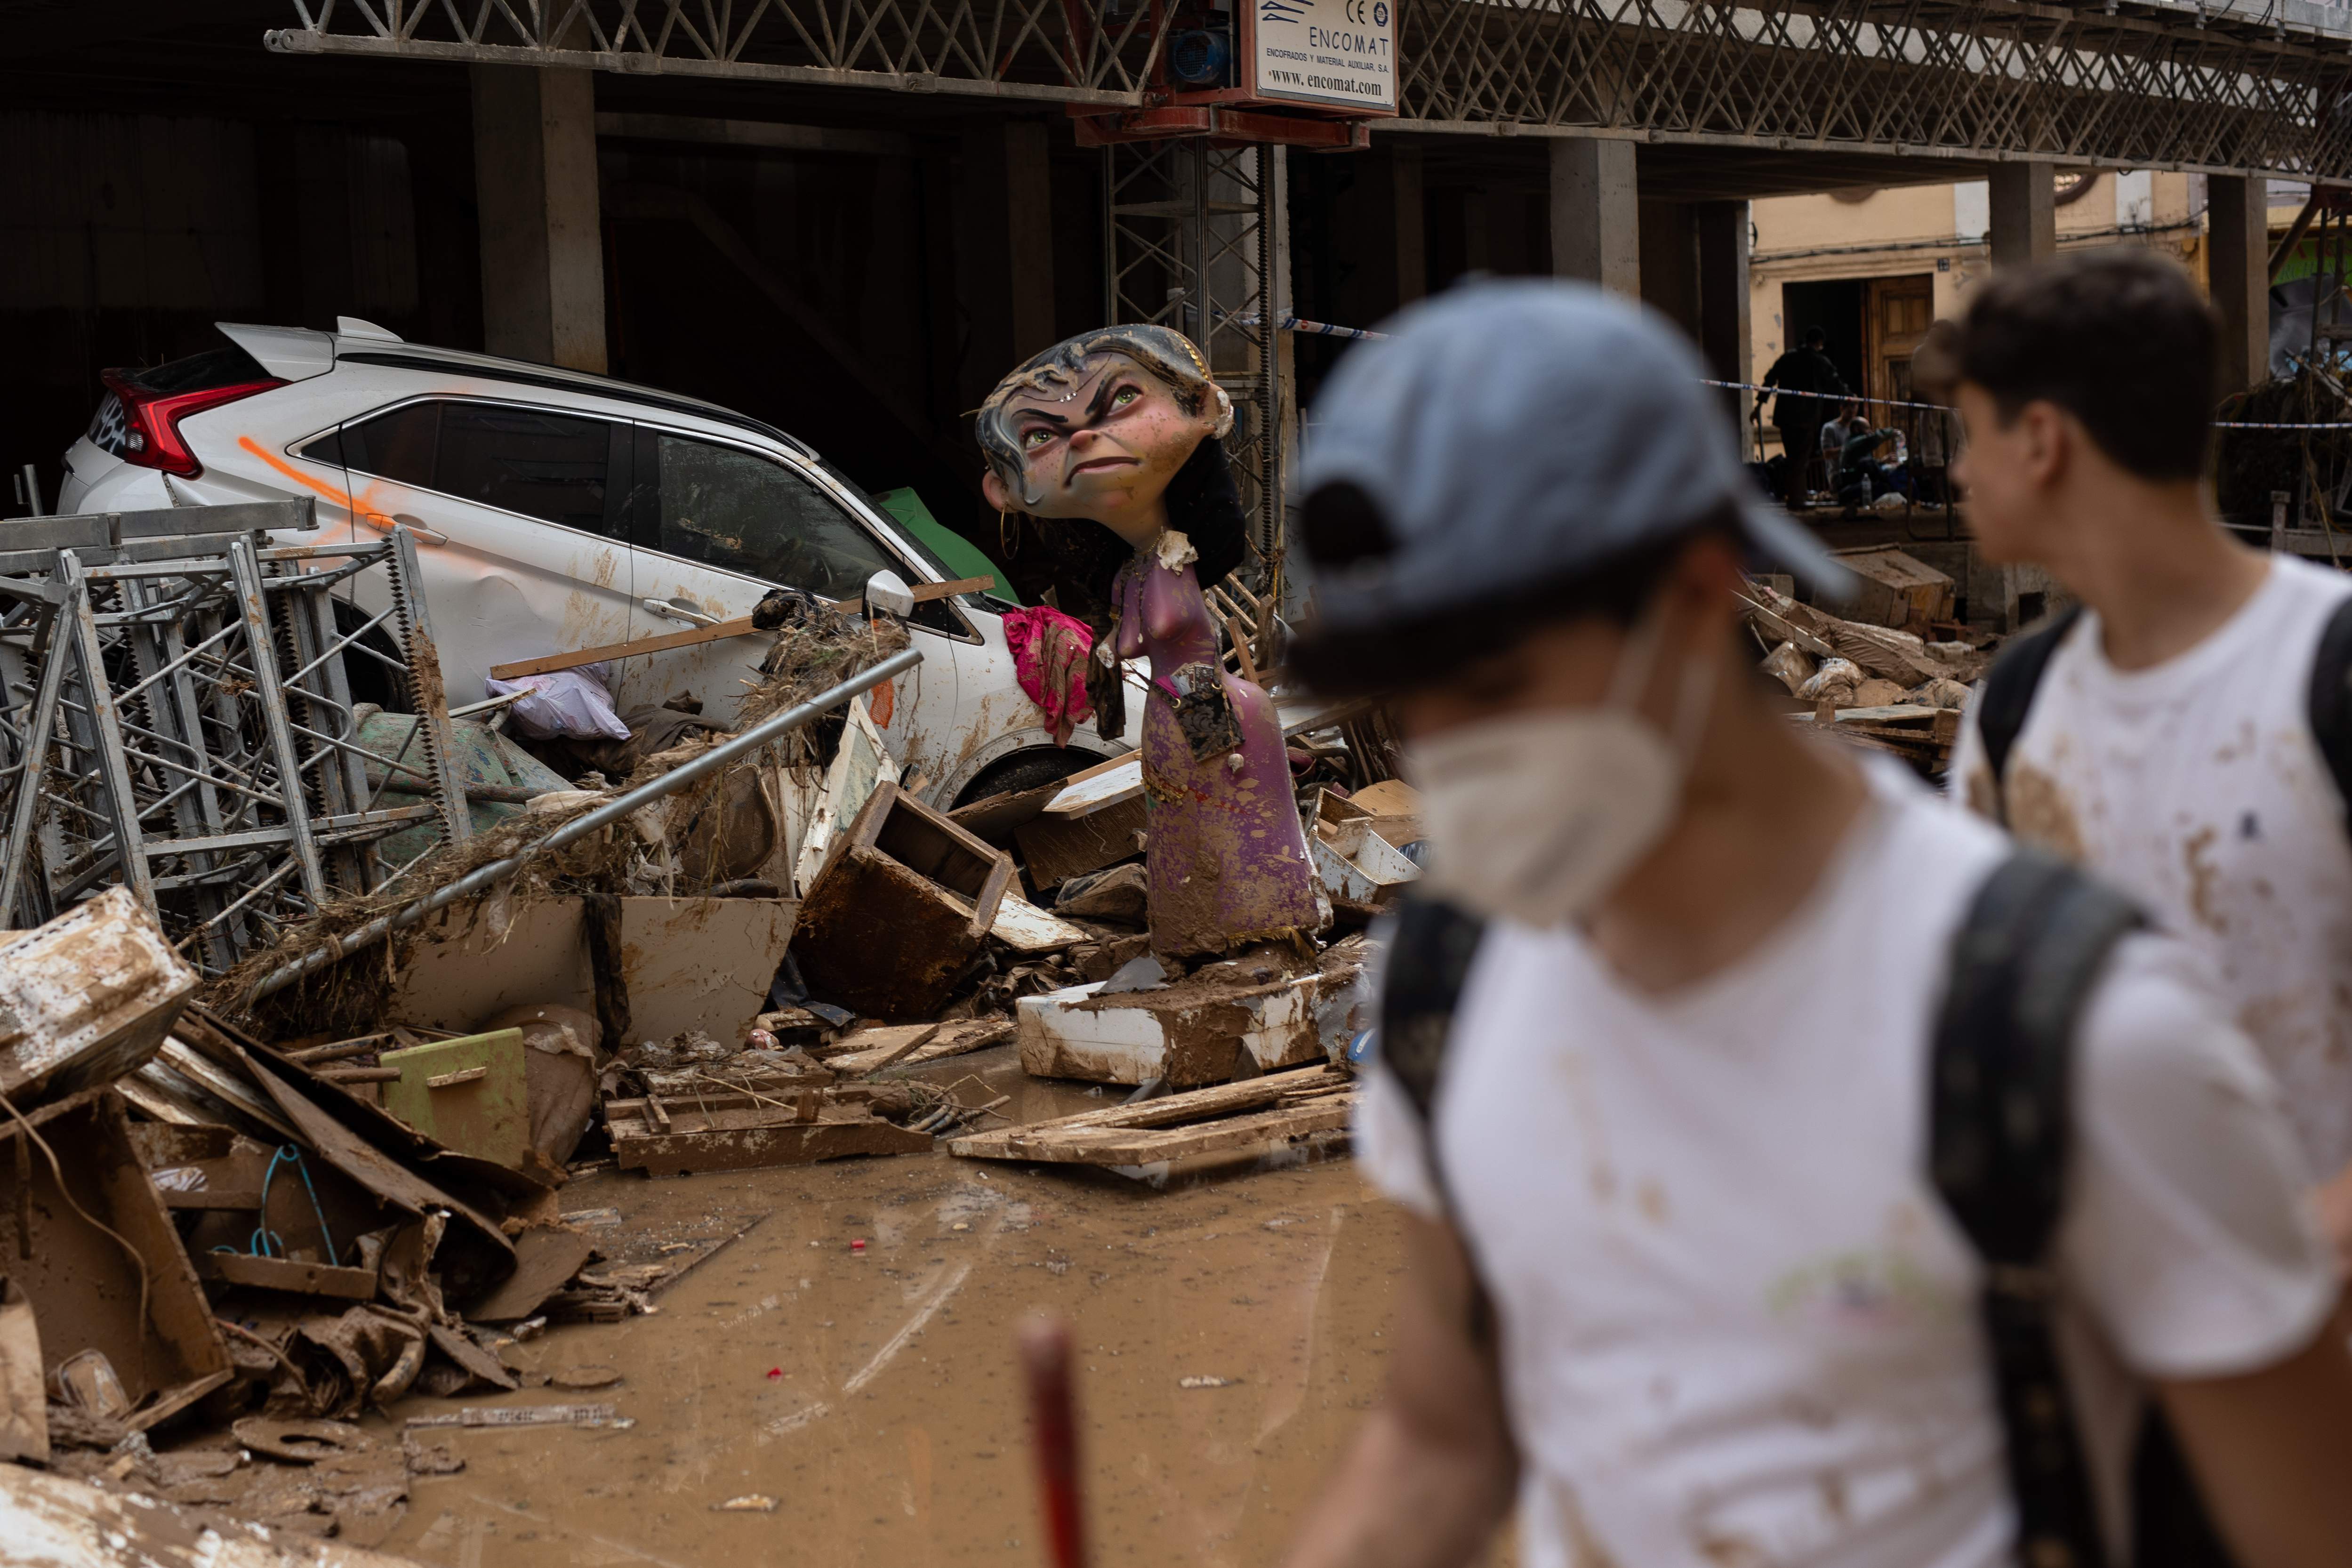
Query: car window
735, 510
553, 467
541, 464
399, 445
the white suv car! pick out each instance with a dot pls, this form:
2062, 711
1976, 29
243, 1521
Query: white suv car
556, 510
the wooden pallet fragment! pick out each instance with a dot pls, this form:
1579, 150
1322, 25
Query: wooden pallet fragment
1278, 1108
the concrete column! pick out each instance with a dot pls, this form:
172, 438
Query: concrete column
1410, 218
1669, 262
1723, 296
542, 239
1596, 221
2237, 271
1004, 248
2024, 219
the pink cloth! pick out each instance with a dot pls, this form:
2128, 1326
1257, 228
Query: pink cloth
1049, 660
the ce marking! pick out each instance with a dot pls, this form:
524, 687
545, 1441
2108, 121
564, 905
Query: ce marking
1355, 11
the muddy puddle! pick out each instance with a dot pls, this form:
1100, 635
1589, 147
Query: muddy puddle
873, 1394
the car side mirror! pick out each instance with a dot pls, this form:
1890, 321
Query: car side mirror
887, 591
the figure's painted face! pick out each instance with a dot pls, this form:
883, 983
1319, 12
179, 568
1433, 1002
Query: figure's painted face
1106, 445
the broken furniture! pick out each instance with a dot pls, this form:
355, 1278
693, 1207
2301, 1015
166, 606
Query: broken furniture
85, 1236
1921, 736
722, 1129
182, 706
899, 910
1096, 819
469, 1094
1360, 871
86, 997
1272, 1111
1893, 588
1219, 1023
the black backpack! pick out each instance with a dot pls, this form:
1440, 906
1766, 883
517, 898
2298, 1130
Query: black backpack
2027, 954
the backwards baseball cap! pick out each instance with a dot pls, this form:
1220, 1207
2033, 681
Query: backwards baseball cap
1509, 443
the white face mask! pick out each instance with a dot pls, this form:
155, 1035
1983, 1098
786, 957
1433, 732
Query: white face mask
1539, 817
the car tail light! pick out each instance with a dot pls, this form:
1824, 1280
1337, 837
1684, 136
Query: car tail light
151, 419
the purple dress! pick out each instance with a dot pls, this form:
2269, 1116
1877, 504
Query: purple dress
1225, 855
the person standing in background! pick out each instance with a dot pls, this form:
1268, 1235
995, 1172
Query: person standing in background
1798, 377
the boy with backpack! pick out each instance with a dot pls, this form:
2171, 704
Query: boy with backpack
2188, 733
1795, 1172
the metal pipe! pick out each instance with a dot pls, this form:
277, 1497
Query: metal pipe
579, 827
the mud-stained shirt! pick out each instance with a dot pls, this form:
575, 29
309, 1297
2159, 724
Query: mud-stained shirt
1738, 1328
2196, 786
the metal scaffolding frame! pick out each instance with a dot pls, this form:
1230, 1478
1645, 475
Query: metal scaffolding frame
179, 719
2239, 86
1192, 233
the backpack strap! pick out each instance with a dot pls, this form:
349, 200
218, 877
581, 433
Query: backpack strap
2024, 963
2329, 704
1428, 961
2007, 695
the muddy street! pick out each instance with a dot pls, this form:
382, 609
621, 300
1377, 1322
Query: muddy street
872, 1392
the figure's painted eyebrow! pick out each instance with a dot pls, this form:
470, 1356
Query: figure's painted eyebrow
1102, 394
1048, 416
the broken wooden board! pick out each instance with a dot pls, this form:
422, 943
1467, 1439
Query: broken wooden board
865, 1050
959, 1038
1279, 1108
287, 1274
652, 1279
741, 627
1026, 928
1099, 787
741, 1132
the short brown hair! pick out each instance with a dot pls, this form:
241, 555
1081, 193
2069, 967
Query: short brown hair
2119, 338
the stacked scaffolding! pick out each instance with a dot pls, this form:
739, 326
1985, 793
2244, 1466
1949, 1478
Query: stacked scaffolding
179, 719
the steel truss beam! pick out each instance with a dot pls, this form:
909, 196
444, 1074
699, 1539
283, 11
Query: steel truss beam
2228, 88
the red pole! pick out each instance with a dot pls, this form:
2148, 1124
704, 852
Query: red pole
1053, 1416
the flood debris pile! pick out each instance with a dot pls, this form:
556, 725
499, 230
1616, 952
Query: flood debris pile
1893, 679
279, 1162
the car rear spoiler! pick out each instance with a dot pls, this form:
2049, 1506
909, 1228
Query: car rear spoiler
290, 353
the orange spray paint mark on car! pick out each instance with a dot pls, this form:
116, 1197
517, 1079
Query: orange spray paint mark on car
362, 506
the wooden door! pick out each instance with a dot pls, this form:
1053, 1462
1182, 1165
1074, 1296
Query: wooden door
1898, 312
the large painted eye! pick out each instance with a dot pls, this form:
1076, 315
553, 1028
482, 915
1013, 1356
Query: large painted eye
1125, 395
1041, 437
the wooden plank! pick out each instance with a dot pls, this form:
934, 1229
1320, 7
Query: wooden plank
286, 1274
1026, 928
1146, 1146
1170, 1110
549, 663
755, 1148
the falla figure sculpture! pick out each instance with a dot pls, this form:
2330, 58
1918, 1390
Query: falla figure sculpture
1124, 427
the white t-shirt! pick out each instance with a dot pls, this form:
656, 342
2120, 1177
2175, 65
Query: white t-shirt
1738, 1325
2195, 787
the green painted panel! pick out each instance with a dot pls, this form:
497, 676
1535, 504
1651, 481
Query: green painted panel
470, 1093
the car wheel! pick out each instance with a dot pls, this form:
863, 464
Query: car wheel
1025, 770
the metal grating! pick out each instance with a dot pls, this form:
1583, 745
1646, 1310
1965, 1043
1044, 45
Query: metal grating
1192, 233
179, 719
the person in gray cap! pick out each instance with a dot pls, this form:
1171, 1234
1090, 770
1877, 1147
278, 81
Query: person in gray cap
1794, 1172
